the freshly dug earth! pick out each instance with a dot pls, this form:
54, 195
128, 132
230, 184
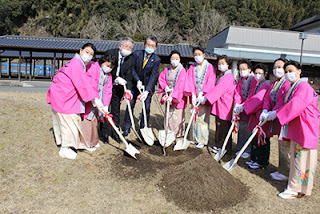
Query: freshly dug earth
202, 184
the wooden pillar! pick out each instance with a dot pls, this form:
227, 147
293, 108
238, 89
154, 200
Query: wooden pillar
0, 66
62, 59
54, 64
34, 69
9, 67
26, 71
45, 67
30, 75
20, 61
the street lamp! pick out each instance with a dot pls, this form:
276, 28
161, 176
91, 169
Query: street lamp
302, 36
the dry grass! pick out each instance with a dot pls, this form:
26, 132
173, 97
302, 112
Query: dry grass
34, 179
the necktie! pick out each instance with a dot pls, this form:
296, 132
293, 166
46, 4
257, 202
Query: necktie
121, 61
145, 62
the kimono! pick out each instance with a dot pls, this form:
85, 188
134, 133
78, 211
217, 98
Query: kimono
176, 81
103, 82
71, 88
299, 118
260, 151
241, 94
221, 99
200, 78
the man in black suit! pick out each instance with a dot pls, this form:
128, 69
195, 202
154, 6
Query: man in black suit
145, 72
121, 75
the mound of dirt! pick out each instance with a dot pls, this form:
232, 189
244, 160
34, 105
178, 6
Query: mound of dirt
202, 184
150, 160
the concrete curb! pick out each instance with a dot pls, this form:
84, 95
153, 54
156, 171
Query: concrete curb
14, 83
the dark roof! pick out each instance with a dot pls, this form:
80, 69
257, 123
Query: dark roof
48, 45
306, 22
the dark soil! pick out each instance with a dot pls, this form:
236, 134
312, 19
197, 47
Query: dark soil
202, 184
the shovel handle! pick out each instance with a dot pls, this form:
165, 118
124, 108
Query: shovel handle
228, 136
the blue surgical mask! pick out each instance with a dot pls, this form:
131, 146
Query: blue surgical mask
149, 50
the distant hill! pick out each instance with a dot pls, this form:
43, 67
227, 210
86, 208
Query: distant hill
192, 21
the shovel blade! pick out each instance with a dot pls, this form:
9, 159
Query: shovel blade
231, 165
182, 144
220, 155
166, 138
147, 135
132, 151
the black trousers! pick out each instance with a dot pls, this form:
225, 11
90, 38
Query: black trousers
260, 154
114, 108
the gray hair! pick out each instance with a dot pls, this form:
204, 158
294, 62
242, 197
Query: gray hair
126, 39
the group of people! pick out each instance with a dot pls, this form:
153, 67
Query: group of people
82, 92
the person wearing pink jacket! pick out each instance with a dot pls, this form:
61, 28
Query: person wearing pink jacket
71, 88
100, 73
260, 150
221, 99
240, 95
171, 88
200, 77
273, 100
299, 119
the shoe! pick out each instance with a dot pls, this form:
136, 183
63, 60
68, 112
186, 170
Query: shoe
192, 142
200, 145
215, 149
250, 162
245, 155
126, 133
287, 194
67, 152
279, 177
274, 173
255, 166
98, 145
92, 149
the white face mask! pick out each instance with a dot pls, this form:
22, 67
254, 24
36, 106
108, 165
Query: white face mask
106, 69
278, 72
86, 58
175, 62
222, 68
291, 77
125, 52
198, 59
244, 73
259, 77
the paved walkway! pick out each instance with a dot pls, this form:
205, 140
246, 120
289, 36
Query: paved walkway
13, 85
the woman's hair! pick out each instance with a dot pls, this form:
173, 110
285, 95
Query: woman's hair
261, 66
244, 61
226, 58
91, 46
198, 48
108, 58
281, 59
175, 52
291, 62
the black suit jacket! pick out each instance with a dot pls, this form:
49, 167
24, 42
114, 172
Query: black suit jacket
126, 67
149, 75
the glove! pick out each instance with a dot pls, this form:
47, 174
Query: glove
105, 109
263, 115
203, 101
120, 81
128, 95
139, 85
272, 115
194, 99
143, 96
167, 89
240, 108
97, 103
235, 109
200, 97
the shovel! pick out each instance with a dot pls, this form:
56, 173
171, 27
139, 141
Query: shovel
223, 150
146, 132
166, 137
130, 149
184, 144
131, 116
232, 164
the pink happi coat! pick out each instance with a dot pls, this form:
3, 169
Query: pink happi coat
93, 71
177, 95
302, 115
208, 84
221, 96
253, 106
268, 103
69, 86
238, 97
